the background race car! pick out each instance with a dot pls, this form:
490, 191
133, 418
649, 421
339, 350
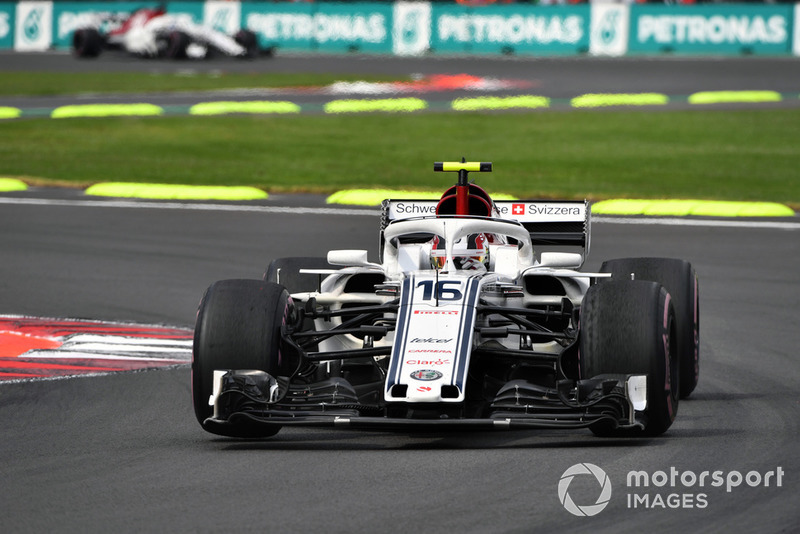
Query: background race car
151, 32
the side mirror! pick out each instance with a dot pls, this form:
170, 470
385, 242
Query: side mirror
351, 258
561, 259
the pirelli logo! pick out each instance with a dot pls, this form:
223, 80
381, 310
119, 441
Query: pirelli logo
436, 312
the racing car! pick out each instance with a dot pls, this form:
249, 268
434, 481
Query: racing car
151, 33
476, 316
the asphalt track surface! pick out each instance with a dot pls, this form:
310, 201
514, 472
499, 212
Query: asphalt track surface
560, 79
123, 453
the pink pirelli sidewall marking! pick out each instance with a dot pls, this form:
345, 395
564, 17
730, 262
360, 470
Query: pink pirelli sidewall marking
667, 377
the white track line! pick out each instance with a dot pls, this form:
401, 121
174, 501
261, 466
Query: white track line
371, 212
719, 223
187, 206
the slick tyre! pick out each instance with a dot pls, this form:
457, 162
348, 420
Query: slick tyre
285, 271
680, 280
177, 43
238, 327
87, 43
628, 327
249, 41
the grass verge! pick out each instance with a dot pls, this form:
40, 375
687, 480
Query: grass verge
722, 155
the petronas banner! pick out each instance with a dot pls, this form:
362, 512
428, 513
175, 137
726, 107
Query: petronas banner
417, 28
326, 27
510, 29
7, 25
712, 29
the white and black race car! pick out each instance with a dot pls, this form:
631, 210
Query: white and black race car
153, 33
476, 317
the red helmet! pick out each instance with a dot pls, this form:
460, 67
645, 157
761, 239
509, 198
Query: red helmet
480, 203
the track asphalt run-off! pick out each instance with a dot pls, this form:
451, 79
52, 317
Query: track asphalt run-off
374, 197
399, 105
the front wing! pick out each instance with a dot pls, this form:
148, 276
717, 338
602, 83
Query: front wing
253, 399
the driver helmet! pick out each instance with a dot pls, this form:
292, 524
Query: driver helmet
469, 253
480, 204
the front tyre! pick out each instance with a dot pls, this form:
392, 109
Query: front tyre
87, 43
680, 280
238, 327
628, 327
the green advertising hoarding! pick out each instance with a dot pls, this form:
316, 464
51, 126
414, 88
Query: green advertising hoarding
7, 20
510, 28
191, 10
321, 27
712, 29
408, 27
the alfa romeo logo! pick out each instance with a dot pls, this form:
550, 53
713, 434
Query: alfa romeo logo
580, 470
426, 375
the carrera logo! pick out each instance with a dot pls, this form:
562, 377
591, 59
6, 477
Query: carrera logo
430, 340
435, 312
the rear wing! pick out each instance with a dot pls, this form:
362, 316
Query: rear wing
550, 223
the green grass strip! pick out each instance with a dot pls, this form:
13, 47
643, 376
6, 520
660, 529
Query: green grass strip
390, 105
708, 208
499, 103
728, 97
255, 107
736, 155
374, 197
106, 110
9, 112
176, 192
12, 184
620, 99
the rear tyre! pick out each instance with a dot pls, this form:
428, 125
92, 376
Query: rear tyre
248, 40
680, 280
628, 327
87, 43
284, 271
177, 42
238, 327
